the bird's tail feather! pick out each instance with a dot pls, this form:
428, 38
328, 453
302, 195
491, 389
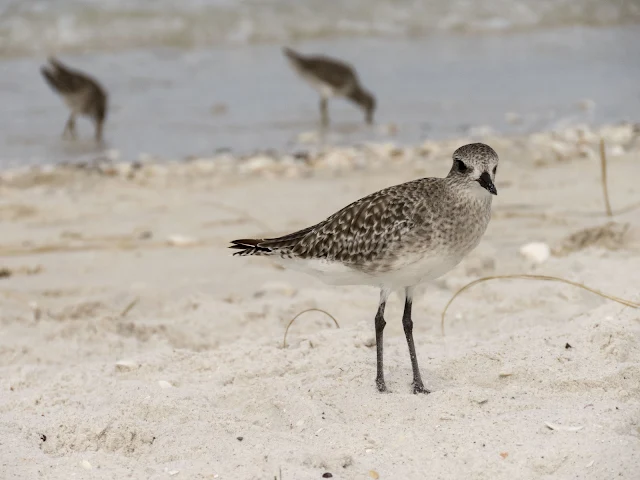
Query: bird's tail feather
250, 246
269, 246
294, 57
58, 76
289, 52
51, 79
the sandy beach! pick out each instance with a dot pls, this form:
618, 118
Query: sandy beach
133, 345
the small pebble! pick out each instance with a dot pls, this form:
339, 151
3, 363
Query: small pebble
562, 428
275, 288
327, 475
615, 150
126, 365
308, 137
164, 384
567, 346
257, 164
181, 241
373, 474
536, 252
86, 465
239, 438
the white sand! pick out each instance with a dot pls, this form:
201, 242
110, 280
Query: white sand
93, 381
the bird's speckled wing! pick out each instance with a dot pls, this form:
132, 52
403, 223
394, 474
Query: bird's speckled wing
329, 71
364, 231
67, 81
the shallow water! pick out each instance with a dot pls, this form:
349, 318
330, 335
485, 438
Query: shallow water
176, 102
44, 26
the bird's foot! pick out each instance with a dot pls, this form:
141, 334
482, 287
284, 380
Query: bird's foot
418, 387
382, 387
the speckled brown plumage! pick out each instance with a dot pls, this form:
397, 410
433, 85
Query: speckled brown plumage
332, 77
373, 232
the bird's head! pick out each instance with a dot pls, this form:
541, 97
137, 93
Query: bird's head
475, 165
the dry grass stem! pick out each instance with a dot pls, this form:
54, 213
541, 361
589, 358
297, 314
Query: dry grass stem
548, 278
129, 307
628, 208
605, 187
284, 340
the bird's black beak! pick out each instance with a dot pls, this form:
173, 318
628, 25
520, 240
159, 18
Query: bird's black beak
485, 182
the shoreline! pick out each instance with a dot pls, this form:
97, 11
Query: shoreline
540, 149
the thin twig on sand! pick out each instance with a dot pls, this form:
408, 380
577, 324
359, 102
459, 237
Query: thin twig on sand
623, 301
284, 340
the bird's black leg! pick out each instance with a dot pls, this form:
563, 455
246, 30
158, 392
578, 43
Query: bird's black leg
324, 113
70, 127
380, 324
407, 323
99, 132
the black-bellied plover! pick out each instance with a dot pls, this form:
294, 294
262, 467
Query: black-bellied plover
332, 78
81, 92
396, 238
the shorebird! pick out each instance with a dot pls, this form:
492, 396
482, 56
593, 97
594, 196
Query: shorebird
332, 78
396, 238
81, 92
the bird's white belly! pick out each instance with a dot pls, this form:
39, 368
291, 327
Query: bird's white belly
324, 89
76, 102
421, 268
333, 273
403, 273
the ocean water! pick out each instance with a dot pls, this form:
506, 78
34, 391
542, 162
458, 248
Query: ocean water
193, 77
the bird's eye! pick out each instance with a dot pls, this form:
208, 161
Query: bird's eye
495, 169
460, 166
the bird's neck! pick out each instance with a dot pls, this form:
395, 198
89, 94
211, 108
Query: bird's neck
359, 95
472, 195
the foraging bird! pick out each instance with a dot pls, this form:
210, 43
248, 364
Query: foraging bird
332, 78
81, 92
396, 238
